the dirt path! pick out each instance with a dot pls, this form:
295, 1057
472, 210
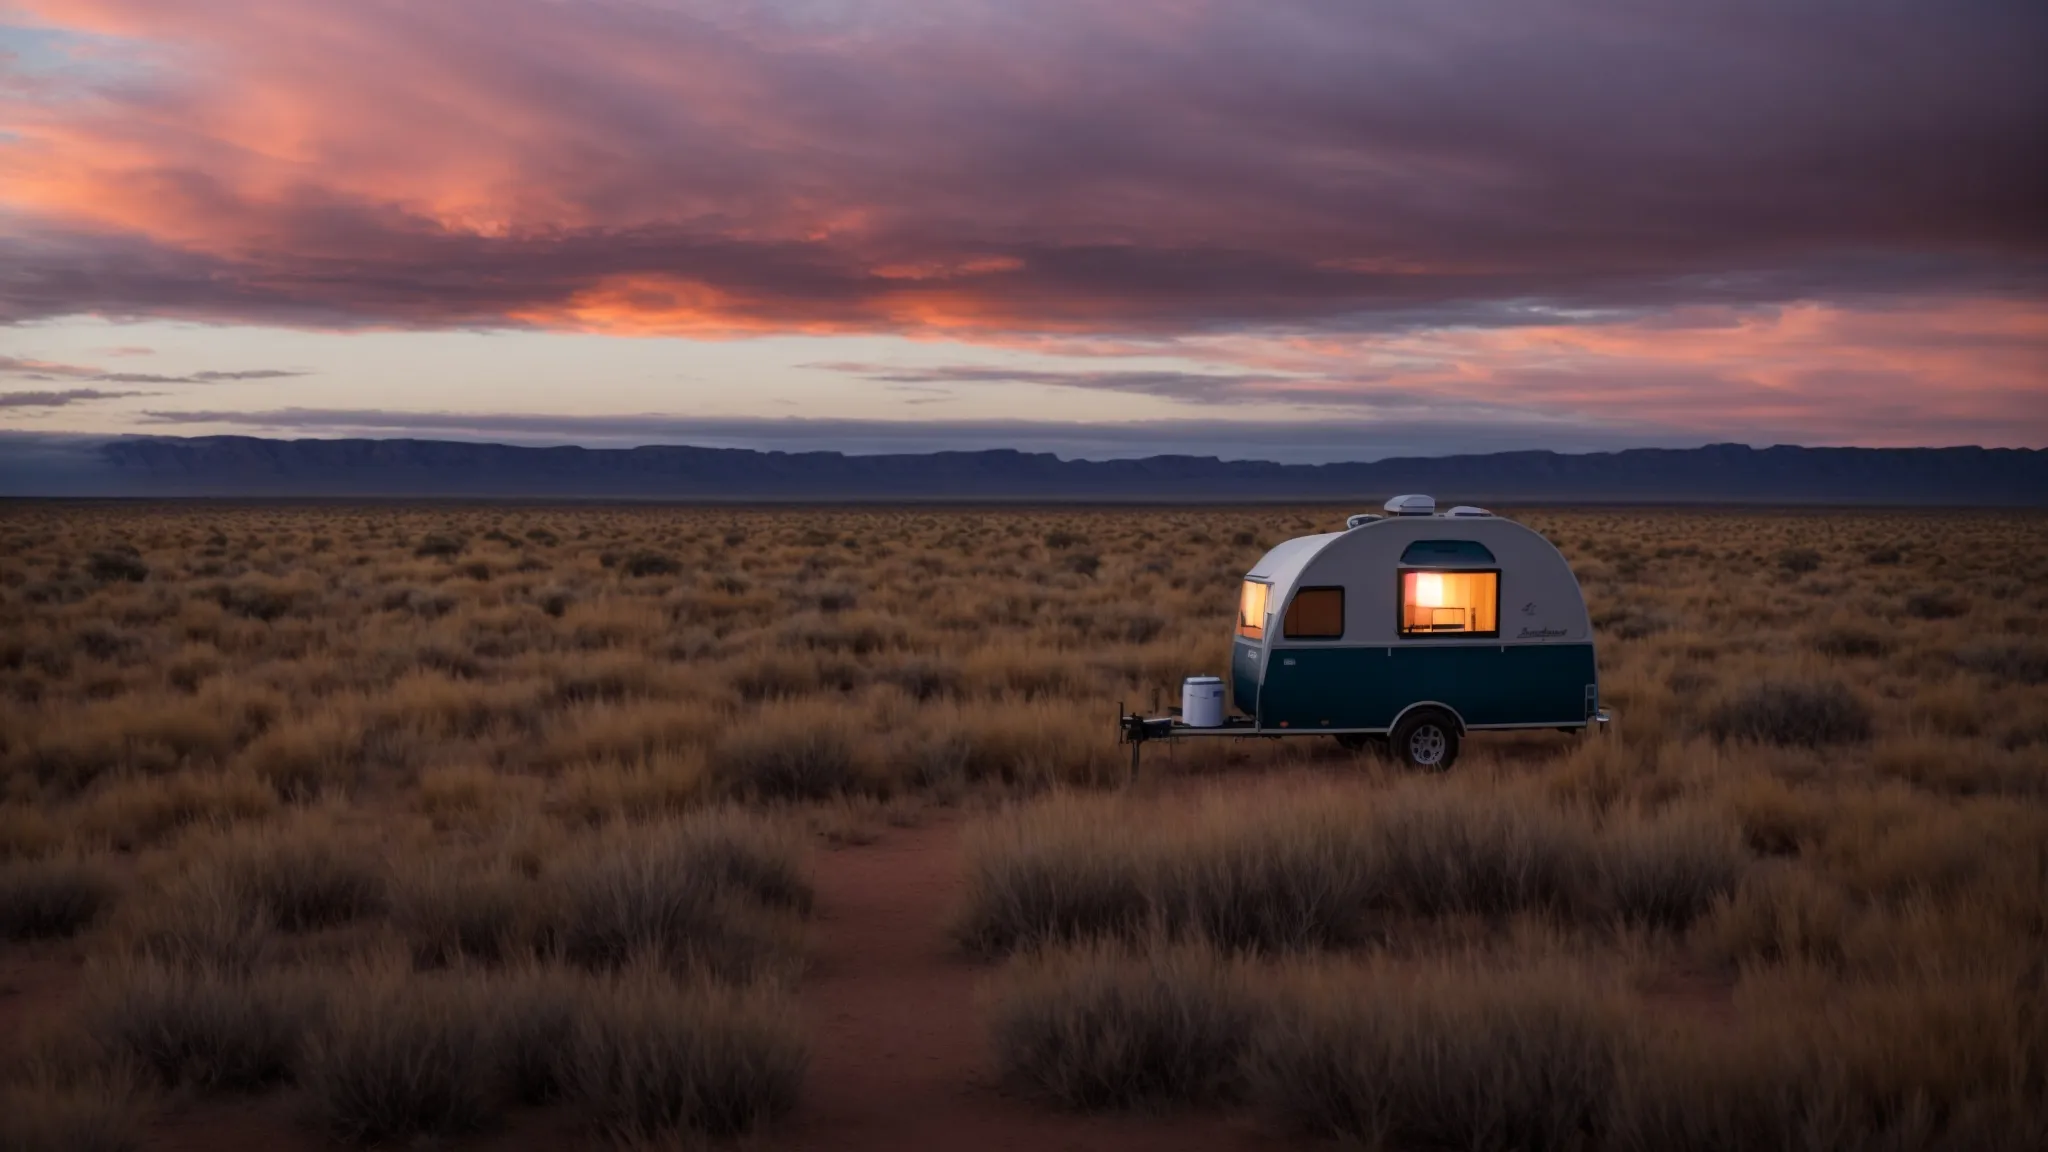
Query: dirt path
898, 1053
898, 1056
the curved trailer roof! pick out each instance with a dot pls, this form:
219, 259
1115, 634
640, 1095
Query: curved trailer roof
1539, 597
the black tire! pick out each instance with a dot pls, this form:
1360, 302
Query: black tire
1426, 740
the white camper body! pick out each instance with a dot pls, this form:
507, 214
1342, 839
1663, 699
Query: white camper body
1418, 626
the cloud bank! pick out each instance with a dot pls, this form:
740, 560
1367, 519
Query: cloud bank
1817, 221
983, 167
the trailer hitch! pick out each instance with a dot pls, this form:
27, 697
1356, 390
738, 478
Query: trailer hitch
1135, 730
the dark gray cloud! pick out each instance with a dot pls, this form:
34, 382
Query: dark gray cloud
1356, 391
61, 399
196, 377
1287, 441
26, 369
1200, 387
1154, 165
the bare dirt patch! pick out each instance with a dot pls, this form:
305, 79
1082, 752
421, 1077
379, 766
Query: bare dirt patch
899, 1055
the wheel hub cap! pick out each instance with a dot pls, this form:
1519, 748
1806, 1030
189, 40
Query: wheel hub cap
1427, 744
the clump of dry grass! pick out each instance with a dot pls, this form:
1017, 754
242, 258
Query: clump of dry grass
133, 812
651, 1060
450, 913
1793, 713
535, 1009
202, 919
59, 896
789, 752
1321, 871
1055, 872
1096, 1027
45, 1112
1779, 915
1667, 871
304, 758
201, 1026
304, 875
1961, 1063
403, 1057
2016, 661
1446, 851
699, 893
1291, 875
1442, 1057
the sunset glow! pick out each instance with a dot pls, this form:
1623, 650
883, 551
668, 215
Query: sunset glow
1576, 224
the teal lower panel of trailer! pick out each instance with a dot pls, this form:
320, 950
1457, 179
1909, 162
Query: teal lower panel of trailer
1487, 684
1244, 677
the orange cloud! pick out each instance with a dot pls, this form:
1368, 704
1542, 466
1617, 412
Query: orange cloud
1371, 199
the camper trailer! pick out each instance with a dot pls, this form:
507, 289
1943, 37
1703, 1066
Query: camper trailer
1414, 627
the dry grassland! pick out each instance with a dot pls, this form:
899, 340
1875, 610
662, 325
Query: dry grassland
426, 814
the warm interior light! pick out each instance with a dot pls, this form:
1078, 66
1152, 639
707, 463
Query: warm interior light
1440, 602
1429, 590
1251, 611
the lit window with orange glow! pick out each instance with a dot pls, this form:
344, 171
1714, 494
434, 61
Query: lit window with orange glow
1450, 603
1251, 610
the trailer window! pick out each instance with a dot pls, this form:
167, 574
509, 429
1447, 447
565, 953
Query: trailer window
1463, 603
1447, 552
1251, 610
1315, 614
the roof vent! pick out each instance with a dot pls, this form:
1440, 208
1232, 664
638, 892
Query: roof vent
1467, 510
1362, 518
1412, 505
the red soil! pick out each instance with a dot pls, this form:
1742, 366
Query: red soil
898, 1052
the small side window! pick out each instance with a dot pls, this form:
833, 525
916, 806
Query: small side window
1424, 553
1251, 610
1315, 614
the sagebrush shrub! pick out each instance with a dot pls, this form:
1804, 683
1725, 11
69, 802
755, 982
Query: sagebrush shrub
439, 546
48, 1113
203, 920
1936, 605
1442, 851
207, 1027
697, 894
2018, 662
1810, 714
305, 877
652, 1059
52, 897
1799, 561
650, 564
1096, 1027
118, 564
1288, 878
451, 914
1053, 873
1848, 640
1667, 871
788, 754
1455, 1058
402, 1056
534, 1013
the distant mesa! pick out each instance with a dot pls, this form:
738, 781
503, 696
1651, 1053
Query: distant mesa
243, 466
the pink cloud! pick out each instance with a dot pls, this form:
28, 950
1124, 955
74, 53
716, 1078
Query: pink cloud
1574, 203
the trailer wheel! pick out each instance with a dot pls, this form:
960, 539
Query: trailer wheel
1427, 740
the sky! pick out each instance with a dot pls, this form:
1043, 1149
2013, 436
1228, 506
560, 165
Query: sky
1295, 229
